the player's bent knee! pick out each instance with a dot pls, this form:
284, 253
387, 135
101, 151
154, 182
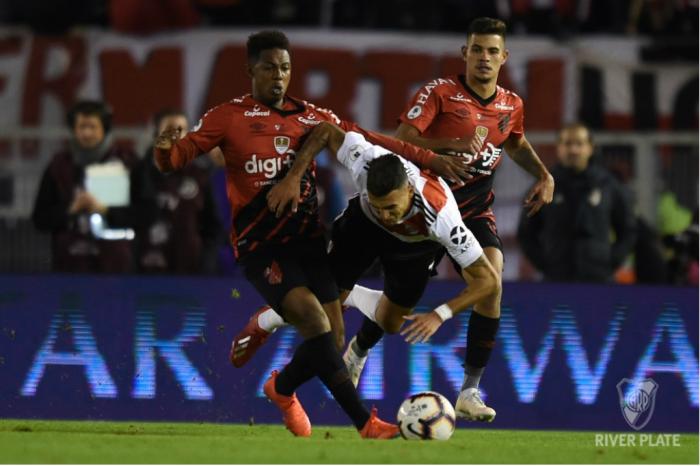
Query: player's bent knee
302, 309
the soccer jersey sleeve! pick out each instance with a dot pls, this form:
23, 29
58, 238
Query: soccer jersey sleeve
207, 134
518, 117
355, 153
415, 154
421, 110
457, 239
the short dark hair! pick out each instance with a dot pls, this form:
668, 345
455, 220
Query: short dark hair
164, 113
486, 25
385, 174
92, 108
265, 40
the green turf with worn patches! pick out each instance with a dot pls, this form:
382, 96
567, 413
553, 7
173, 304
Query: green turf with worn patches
24, 441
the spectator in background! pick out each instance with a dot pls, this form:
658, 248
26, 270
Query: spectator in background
570, 239
178, 228
63, 206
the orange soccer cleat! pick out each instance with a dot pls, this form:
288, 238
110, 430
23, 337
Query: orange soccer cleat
375, 428
248, 341
293, 413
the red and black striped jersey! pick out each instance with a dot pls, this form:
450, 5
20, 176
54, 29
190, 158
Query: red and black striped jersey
448, 108
259, 144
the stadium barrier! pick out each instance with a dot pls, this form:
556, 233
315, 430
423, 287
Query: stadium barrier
136, 348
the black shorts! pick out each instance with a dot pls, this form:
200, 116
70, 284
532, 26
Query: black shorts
485, 232
275, 270
357, 242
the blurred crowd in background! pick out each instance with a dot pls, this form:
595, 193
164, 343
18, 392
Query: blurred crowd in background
559, 18
180, 219
179, 223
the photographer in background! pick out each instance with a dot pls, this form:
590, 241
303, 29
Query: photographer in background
63, 206
587, 231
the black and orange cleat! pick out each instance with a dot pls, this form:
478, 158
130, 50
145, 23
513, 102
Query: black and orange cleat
293, 414
375, 428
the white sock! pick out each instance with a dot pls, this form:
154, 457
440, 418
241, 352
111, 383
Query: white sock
364, 299
270, 321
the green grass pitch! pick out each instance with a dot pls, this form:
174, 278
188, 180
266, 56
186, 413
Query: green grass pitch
24, 441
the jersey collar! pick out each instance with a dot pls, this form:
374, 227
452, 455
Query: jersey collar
484, 102
297, 106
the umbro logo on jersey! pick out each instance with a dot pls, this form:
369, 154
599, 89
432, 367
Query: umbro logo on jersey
256, 112
281, 144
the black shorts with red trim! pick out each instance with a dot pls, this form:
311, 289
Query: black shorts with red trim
357, 242
277, 269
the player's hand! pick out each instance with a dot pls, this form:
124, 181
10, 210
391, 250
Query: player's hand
168, 137
539, 195
282, 194
450, 167
470, 145
422, 327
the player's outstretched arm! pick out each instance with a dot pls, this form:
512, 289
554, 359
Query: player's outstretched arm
287, 191
411, 135
170, 152
522, 153
482, 281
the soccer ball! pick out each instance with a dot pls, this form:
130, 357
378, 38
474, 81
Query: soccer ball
426, 416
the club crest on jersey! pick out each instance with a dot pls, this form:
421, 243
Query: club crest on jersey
273, 274
281, 144
480, 133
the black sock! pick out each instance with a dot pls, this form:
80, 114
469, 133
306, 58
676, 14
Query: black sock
481, 338
369, 335
297, 372
331, 369
319, 356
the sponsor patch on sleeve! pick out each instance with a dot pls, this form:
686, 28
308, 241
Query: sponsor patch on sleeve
414, 113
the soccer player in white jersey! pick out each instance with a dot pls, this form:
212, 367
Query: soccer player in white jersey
401, 216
